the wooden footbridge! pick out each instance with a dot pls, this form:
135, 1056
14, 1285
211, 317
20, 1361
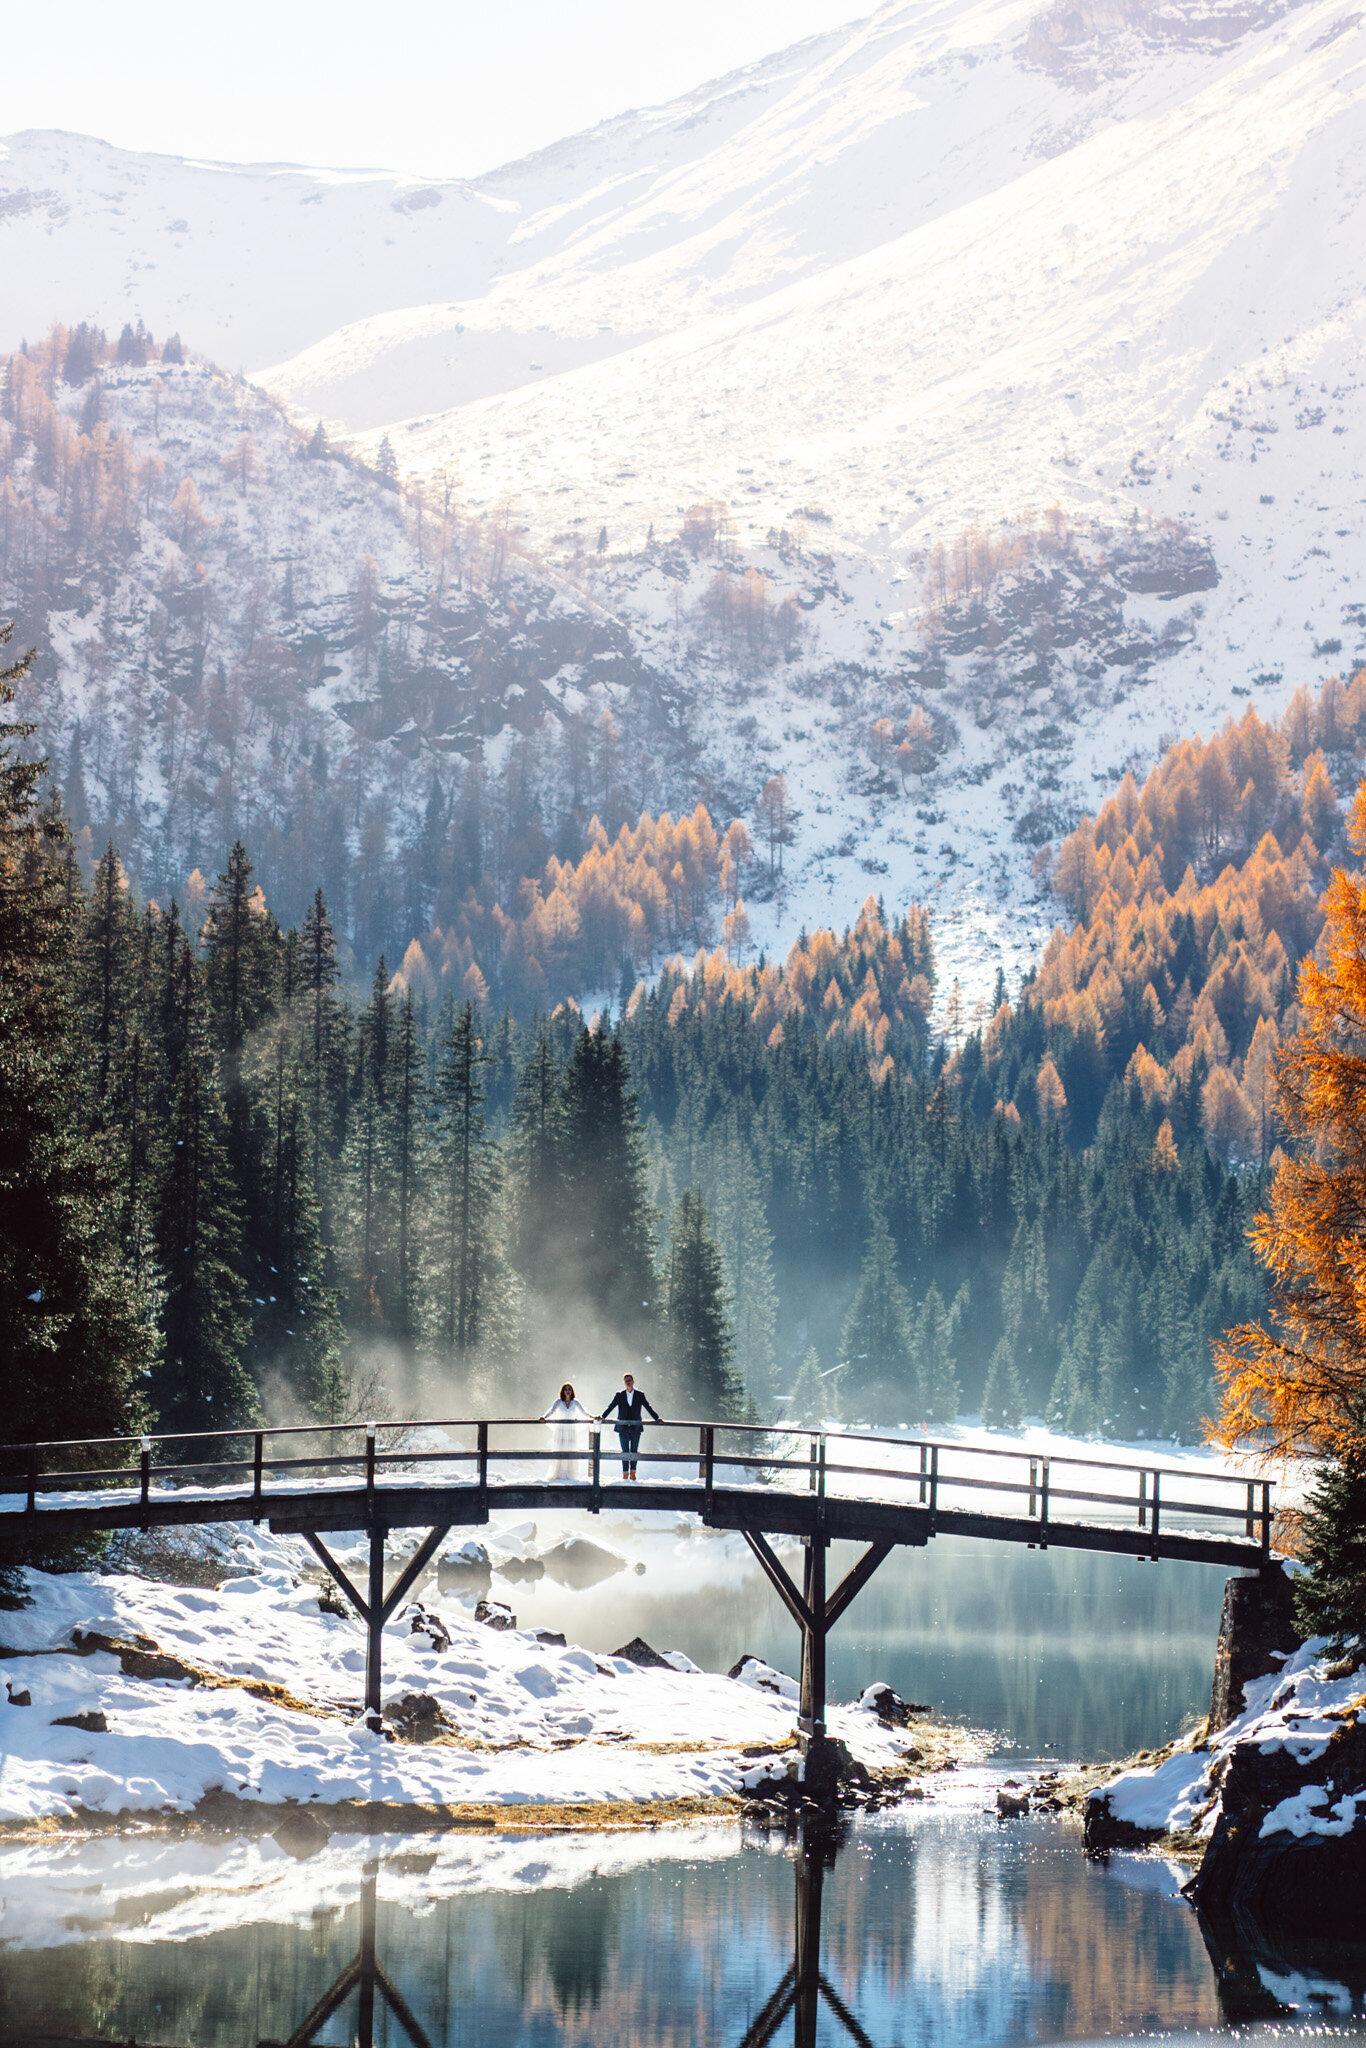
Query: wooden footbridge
877, 1491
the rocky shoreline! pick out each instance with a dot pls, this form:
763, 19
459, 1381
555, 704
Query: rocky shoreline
1266, 1799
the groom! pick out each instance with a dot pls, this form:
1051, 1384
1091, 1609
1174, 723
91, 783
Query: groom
632, 1407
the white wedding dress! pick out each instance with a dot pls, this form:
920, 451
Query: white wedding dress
567, 1435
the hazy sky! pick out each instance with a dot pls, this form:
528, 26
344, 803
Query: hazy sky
446, 87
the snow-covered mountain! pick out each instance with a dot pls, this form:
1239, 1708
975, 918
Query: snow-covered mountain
1022, 347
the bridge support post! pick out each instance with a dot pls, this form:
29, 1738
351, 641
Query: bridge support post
379, 1606
811, 1717
374, 1632
815, 1613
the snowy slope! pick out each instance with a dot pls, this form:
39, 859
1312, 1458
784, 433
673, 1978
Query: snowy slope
937, 272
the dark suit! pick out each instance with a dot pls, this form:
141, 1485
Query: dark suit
632, 1407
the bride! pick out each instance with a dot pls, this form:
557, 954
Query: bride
566, 1417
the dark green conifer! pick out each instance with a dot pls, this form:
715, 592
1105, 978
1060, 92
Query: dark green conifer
612, 1241
473, 1277
540, 1177
933, 1328
699, 1334
879, 1381
107, 968
73, 1346
201, 1381
1330, 1596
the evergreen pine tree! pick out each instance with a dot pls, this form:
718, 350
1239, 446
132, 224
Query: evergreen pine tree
612, 1222
700, 1342
74, 1347
1025, 1317
1330, 1596
1003, 1394
107, 968
408, 1118
747, 1251
809, 1402
297, 1329
474, 1283
241, 959
200, 1381
876, 1338
323, 1078
370, 1164
540, 1176
936, 1368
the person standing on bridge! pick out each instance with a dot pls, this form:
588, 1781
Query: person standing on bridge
632, 1407
566, 1416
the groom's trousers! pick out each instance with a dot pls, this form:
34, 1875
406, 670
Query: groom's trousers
628, 1436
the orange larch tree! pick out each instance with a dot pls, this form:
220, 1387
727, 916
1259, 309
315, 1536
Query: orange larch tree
1298, 1385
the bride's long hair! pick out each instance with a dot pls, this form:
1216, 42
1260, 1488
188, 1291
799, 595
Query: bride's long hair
566, 1393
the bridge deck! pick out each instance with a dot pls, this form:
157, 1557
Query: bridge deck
899, 1492
856, 1488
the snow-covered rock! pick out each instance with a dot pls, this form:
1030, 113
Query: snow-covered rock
1274, 1803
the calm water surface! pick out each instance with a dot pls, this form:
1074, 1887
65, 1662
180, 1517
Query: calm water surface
941, 1929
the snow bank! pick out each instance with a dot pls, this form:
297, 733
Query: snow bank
269, 1707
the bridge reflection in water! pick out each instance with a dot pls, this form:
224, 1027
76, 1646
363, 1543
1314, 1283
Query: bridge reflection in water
799, 1994
366, 1978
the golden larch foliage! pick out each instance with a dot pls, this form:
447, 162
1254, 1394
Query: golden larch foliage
1291, 1387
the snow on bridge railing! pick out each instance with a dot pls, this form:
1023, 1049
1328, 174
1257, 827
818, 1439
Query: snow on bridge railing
923, 1472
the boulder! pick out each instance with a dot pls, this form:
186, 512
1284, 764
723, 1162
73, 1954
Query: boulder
638, 1651
1011, 1805
1257, 1632
890, 1708
416, 1716
422, 1622
91, 1723
1103, 1830
830, 1769
466, 1568
494, 1614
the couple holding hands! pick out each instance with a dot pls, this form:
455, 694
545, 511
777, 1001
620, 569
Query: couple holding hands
567, 1415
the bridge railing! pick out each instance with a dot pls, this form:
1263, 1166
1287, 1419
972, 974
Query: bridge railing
936, 1474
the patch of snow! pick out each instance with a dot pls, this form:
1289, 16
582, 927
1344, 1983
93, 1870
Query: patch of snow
525, 1722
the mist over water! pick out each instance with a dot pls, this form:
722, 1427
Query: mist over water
1072, 1654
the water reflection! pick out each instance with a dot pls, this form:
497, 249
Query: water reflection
932, 1929
366, 1979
